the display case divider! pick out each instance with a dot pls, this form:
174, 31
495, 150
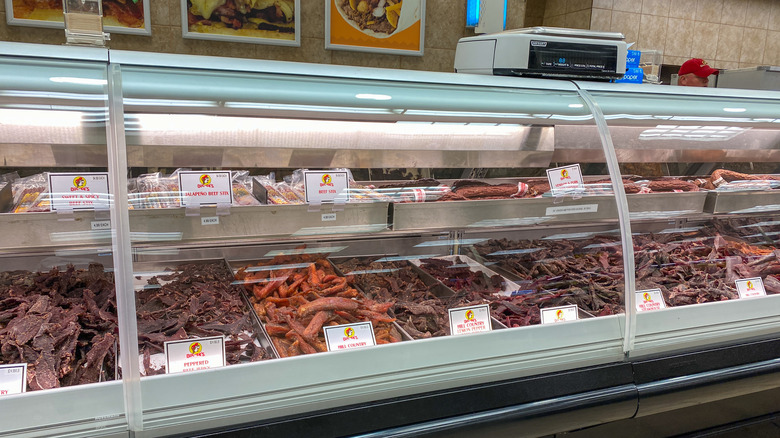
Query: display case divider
623, 218
122, 251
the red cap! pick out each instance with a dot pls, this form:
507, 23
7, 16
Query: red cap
698, 67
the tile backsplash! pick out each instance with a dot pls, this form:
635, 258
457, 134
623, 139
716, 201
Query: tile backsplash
726, 33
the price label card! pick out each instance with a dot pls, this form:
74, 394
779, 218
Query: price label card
328, 217
650, 299
564, 178
211, 220
79, 191
13, 379
751, 287
555, 315
101, 225
204, 188
194, 354
325, 186
349, 336
474, 319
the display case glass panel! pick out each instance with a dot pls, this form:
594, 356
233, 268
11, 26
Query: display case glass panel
366, 197
58, 301
705, 166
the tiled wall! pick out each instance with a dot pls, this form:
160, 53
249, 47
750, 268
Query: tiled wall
726, 33
445, 23
568, 13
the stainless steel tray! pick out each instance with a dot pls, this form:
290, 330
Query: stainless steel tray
665, 205
751, 201
235, 265
143, 271
258, 221
534, 211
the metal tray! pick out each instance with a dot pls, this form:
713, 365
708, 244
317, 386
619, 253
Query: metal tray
509, 288
235, 265
750, 201
665, 205
257, 221
534, 211
437, 288
143, 271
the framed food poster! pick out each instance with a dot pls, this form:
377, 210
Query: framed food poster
244, 21
119, 16
384, 26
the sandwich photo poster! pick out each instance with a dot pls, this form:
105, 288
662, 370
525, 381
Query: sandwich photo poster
378, 26
273, 22
119, 16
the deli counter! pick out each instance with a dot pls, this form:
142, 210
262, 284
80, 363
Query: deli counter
198, 245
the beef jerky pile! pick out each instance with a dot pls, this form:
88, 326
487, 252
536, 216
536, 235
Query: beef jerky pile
295, 296
587, 273
417, 309
459, 276
197, 300
62, 323
702, 265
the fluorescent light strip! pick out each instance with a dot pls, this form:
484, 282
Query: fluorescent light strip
277, 267
679, 230
515, 251
761, 224
404, 258
465, 242
372, 271
300, 251
311, 108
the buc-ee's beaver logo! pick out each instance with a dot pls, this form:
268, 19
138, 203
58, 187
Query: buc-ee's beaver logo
647, 297
205, 181
750, 286
327, 180
559, 314
79, 183
565, 174
349, 333
469, 315
196, 347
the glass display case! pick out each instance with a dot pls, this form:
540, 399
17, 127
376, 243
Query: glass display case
289, 241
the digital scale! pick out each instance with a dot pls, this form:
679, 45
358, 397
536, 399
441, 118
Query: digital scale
544, 52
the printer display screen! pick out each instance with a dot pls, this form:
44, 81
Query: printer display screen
552, 56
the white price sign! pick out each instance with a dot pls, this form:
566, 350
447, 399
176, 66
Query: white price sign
555, 315
194, 354
13, 379
564, 178
79, 191
101, 225
211, 220
349, 336
751, 287
474, 319
650, 299
204, 188
325, 186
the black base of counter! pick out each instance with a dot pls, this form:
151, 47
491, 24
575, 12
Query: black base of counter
655, 396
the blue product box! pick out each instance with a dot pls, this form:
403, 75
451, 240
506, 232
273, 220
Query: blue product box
632, 76
632, 59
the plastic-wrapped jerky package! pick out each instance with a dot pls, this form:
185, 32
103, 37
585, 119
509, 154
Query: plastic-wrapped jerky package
31, 194
242, 193
271, 192
158, 191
